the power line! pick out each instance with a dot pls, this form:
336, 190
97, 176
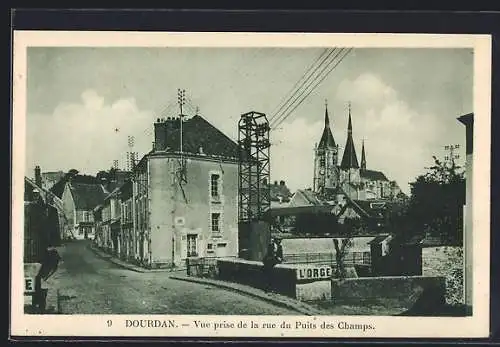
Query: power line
288, 96
324, 65
324, 62
284, 116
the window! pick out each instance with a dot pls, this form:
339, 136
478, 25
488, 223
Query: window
191, 245
216, 222
214, 185
322, 161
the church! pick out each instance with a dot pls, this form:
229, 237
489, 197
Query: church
334, 179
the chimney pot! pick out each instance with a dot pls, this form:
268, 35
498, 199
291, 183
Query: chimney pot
275, 183
282, 183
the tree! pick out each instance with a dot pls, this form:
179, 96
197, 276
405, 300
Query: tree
347, 230
437, 199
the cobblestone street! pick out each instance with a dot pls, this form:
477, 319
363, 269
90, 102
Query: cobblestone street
88, 284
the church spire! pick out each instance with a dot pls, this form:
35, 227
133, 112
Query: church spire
363, 156
349, 159
327, 140
327, 119
349, 125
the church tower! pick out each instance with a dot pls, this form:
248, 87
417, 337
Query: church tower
349, 165
326, 175
363, 156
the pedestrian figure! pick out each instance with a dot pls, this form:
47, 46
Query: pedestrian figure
50, 263
274, 255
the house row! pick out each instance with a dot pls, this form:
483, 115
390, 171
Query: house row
176, 203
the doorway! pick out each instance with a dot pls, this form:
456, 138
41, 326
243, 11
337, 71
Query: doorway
192, 249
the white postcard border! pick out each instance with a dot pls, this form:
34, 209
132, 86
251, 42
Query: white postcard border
98, 325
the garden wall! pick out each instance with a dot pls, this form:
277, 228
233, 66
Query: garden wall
401, 290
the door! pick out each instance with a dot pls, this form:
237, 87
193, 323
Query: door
192, 249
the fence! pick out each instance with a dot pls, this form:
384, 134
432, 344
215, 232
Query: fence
207, 266
202, 267
352, 258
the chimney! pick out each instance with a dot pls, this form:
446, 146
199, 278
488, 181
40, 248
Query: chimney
160, 136
275, 183
38, 176
282, 183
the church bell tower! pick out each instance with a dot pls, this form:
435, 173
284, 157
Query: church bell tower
326, 176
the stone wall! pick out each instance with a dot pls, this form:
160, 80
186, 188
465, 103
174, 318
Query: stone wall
406, 290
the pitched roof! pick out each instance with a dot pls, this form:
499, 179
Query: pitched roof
86, 196
309, 196
117, 180
58, 188
349, 159
373, 175
372, 208
326, 140
198, 133
379, 238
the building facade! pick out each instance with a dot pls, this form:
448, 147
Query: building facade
185, 202
127, 236
79, 201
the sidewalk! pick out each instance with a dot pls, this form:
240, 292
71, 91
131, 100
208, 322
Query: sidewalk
126, 265
276, 299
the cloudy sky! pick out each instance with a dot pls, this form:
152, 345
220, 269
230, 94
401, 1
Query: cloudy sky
83, 103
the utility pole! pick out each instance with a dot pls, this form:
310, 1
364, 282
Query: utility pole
451, 155
131, 153
181, 98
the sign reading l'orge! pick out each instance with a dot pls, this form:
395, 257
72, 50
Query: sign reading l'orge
314, 272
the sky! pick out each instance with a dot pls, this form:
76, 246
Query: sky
84, 103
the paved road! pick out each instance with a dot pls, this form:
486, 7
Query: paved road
89, 284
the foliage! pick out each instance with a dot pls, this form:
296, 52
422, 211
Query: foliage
454, 276
437, 201
434, 208
350, 227
341, 250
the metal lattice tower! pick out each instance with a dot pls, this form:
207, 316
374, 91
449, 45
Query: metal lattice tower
131, 155
254, 168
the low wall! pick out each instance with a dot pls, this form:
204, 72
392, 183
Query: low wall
402, 289
302, 282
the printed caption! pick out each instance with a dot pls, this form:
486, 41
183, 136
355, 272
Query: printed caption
228, 324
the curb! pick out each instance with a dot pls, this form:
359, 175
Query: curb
305, 309
127, 266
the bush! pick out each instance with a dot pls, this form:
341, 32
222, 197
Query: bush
454, 275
